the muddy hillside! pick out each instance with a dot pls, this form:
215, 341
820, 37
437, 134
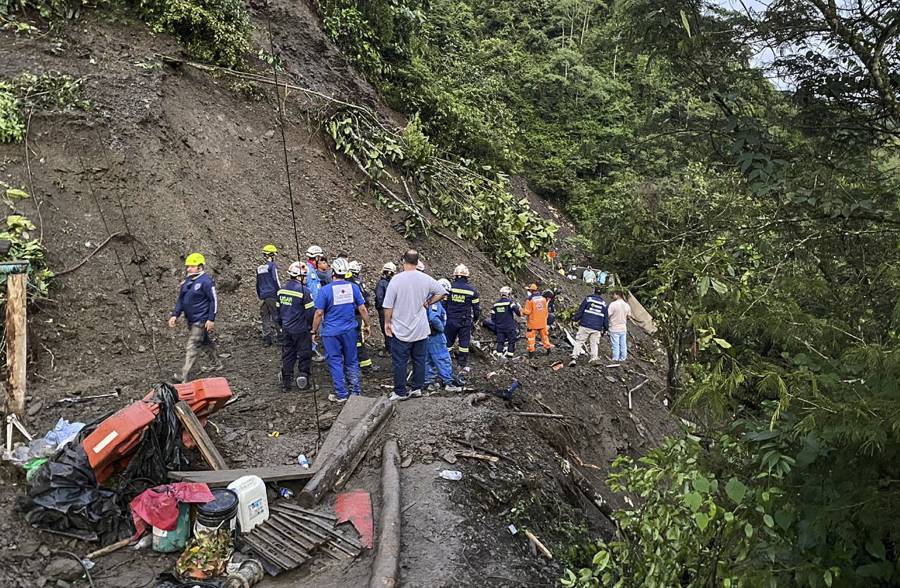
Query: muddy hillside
170, 159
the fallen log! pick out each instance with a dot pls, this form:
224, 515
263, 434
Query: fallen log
337, 467
545, 415
198, 433
386, 567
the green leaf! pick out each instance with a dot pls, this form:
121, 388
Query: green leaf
736, 490
748, 530
875, 548
702, 520
693, 500
684, 21
701, 485
768, 520
828, 577
722, 343
15, 193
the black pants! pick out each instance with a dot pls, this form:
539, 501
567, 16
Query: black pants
506, 341
387, 340
295, 348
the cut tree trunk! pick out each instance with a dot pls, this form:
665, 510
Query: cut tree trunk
386, 567
334, 471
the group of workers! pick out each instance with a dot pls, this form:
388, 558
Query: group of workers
321, 314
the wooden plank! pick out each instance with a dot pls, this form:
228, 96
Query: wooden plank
353, 410
16, 358
336, 468
386, 567
224, 477
204, 443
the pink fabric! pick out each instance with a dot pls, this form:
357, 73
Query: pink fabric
158, 507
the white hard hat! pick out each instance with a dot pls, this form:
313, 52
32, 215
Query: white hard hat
355, 267
445, 284
461, 270
420, 266
297, 269
389, 267
505, 291
340, 266
315, 250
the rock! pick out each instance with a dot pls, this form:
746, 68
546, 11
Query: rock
610, 379
426, 449
35, 408
449, 457
406, 462
63, 568
141, 349
292, 409
269, 134
44, 550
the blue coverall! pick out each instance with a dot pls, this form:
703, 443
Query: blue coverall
503, 315
437, 356
339, 301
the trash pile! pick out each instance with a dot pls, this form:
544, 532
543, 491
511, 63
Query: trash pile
123, 481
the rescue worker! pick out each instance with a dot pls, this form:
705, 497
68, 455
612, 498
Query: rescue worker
197, 300
314, 254
593, 322
537, 311
550, 295
503, 316
437, 357
365, 362
296, 309
387, 272
267, 286
335, 320
463, 307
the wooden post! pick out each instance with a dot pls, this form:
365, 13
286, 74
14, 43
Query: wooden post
198, 433
386, 567
16, 342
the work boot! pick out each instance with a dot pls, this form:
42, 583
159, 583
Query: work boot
415, 393
336, 398
452, 388
267, 340
548, 350
286, 386
318, 358
572, 363
394, 397
302, 381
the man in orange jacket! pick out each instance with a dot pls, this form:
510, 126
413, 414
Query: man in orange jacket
537, 310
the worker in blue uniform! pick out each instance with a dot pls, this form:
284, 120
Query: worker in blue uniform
296, 309
355, 276
198, 302
335, 321
503, 316
267, 286
463, 308
437, 357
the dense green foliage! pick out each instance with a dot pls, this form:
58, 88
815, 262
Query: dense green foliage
27, 92
213, 31
759, 223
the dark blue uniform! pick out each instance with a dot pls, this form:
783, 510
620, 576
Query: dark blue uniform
503, 315
197, 299
463, 306
365, 361
592, 314
380, 291
295, 315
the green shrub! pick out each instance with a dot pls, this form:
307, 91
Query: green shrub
27, 91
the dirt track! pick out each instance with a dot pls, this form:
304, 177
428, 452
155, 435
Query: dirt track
198, 166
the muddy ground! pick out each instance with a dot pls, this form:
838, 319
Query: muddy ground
196, 163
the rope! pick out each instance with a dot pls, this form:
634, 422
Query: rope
287, 171
137, 309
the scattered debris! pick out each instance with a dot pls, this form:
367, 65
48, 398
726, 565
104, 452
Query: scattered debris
206, 555
451, 475
78, 399
201, 438
546, 415
536, 543
481, 456
217, 478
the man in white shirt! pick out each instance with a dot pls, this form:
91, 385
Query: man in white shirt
406, 321
619, 312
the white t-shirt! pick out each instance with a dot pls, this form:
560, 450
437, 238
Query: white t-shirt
619, 311
406, 295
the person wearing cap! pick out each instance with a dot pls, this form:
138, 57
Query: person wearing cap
365, 362
592, 320
438, 364
387, 272
198, 302
408, 296
337, 304
503, 317
463, 309
267, 286
537, 311
296, 309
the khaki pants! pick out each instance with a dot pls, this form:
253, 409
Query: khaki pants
592, 336
198, 338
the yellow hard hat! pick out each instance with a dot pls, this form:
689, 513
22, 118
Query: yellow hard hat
270, 249
195, 259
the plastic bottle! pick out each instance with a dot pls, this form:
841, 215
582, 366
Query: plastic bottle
451, 474
301, 459
285, 492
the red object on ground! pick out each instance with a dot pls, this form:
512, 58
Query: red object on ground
110, 445
158, 507
116, 437
356, 507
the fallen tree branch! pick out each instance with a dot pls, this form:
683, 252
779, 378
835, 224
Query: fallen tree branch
546, 415
92, 254
537, 543
386, 567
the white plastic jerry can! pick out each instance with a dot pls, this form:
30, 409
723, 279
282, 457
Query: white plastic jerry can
253, 506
